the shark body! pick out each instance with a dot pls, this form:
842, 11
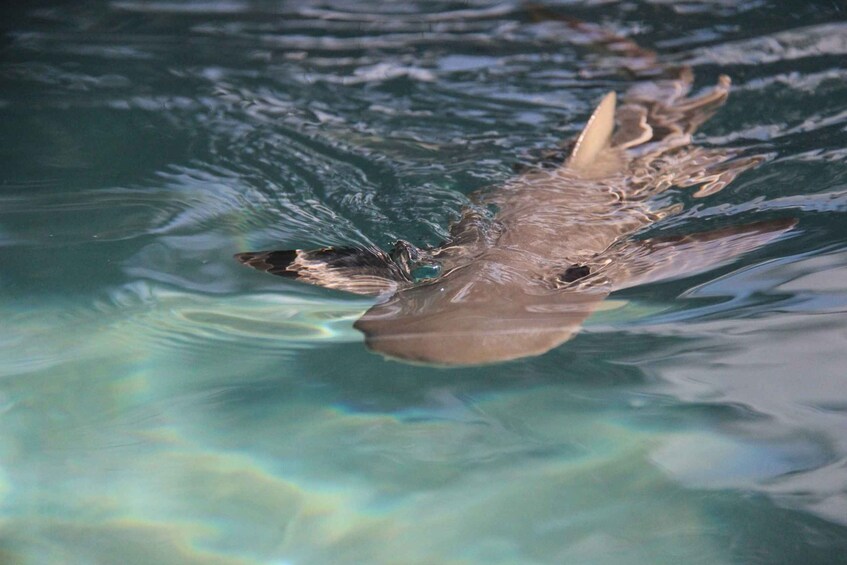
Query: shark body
521, 280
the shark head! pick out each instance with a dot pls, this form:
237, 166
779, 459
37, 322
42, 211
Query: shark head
487, 311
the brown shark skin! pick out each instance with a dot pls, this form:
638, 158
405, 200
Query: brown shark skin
509, 300
496, 308
523, 281
500, 307
505, 298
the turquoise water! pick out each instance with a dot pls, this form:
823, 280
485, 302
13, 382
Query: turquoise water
160, 403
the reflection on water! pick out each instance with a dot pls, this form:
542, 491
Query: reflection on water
161, 404
156, 453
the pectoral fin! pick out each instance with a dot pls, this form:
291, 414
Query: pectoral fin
366, 271
652, 260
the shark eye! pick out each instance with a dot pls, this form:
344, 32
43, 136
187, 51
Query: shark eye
575, 273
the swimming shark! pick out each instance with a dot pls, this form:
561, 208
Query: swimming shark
527, 262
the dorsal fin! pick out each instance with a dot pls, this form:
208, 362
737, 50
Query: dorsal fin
596, 135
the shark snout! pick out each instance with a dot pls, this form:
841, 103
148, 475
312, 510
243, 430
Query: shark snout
461, 346
431, 326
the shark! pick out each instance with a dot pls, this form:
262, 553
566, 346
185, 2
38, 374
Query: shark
527, 262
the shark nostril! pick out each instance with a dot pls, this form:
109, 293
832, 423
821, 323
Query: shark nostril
575, 273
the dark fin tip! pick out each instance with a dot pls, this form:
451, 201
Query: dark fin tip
244, 257
274, 262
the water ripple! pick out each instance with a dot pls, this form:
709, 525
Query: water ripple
161, 403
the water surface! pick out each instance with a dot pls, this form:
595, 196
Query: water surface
160, 403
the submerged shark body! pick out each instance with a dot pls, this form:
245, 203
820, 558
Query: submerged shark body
520, 281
